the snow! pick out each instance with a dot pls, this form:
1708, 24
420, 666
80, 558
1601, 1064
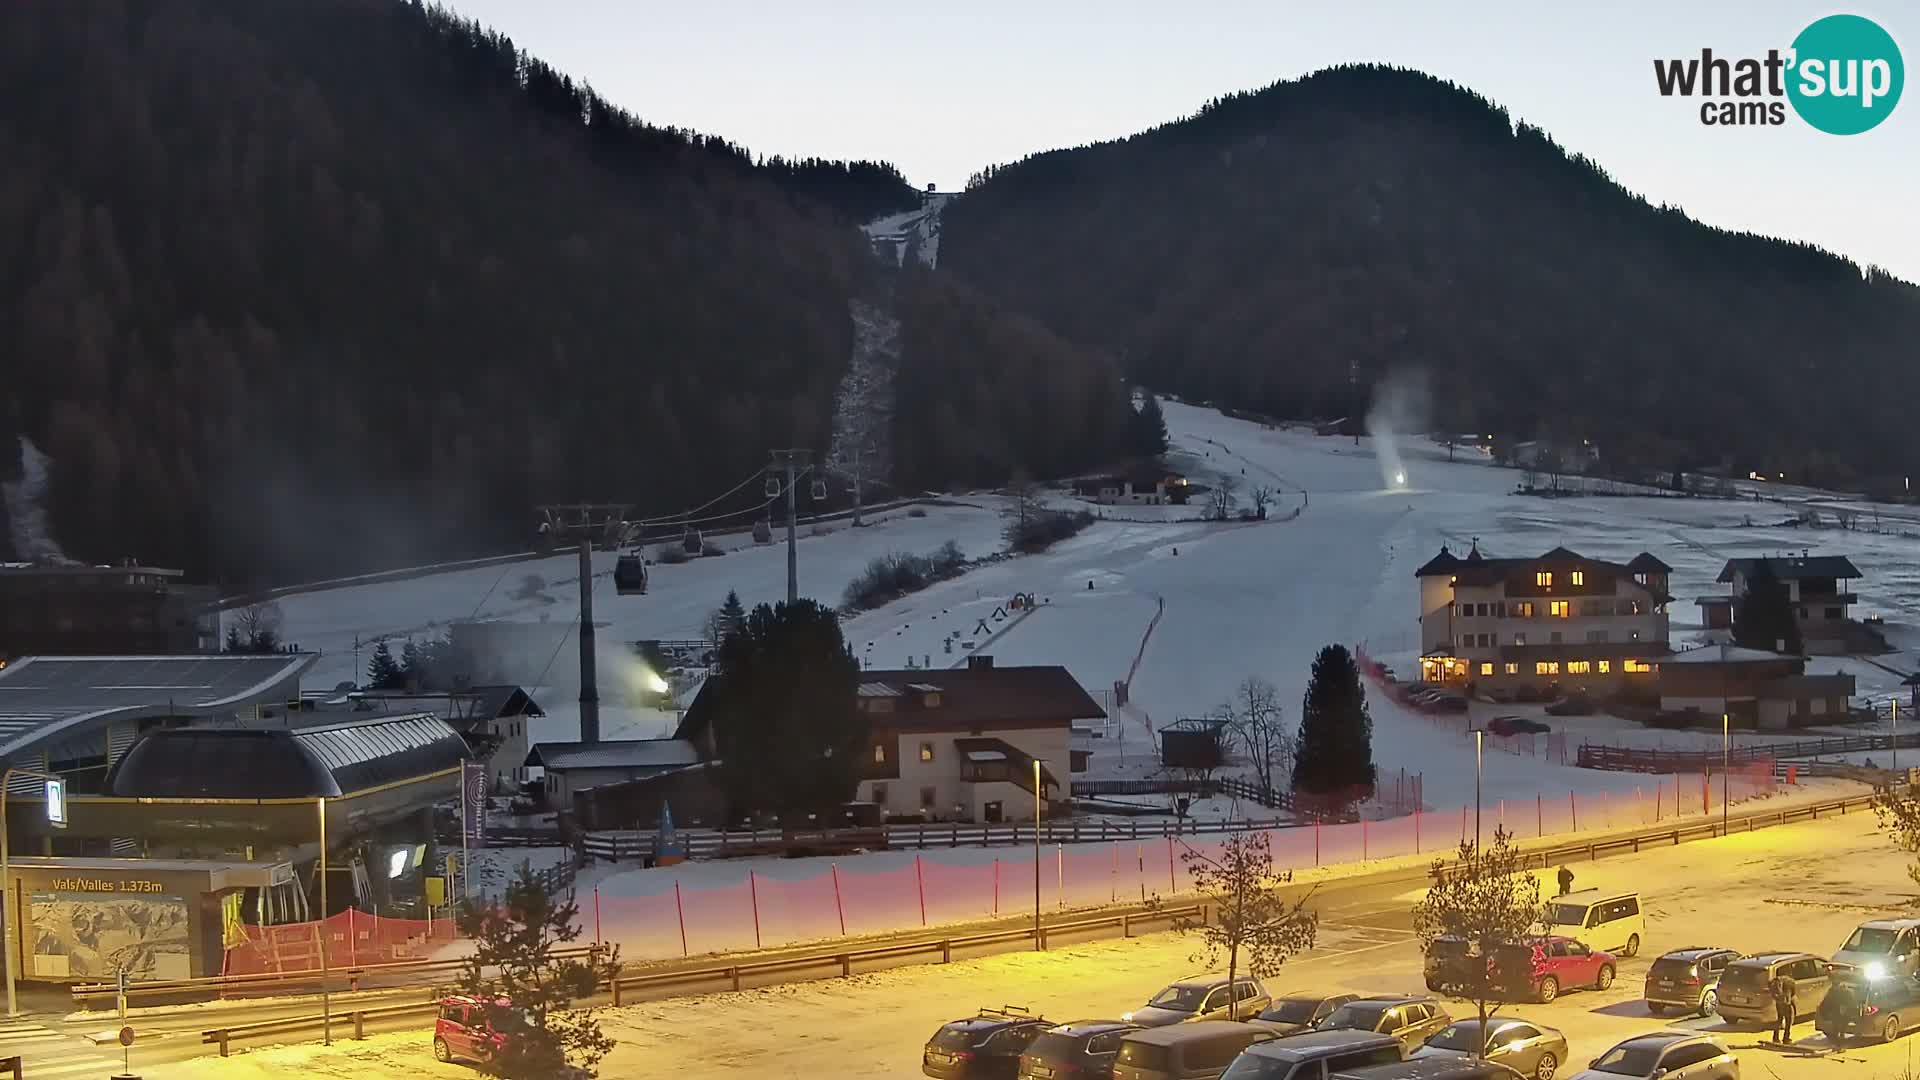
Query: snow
1750, 891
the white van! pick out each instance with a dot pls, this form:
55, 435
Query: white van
1609, 921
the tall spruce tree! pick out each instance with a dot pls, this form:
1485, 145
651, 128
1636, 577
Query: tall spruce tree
1150, 428
382, 672
413, 673
786, 732
1334, 754
733, 617
1763, 616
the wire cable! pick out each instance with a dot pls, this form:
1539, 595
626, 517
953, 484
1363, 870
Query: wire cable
670, 518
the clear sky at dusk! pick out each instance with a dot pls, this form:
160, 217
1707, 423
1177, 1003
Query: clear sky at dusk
943, 89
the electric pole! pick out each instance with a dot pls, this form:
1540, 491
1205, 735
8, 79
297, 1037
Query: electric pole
788, 459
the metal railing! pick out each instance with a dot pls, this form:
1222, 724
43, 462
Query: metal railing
1635, 759
412, 973
617, 846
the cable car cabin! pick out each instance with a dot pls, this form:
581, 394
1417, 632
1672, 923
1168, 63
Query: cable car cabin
630, 576
691, 542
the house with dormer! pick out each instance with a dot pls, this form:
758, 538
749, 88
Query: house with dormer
1560, 620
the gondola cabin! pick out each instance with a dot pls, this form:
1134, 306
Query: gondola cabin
630, 575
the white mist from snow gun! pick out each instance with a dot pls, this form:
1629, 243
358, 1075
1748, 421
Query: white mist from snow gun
1399, 407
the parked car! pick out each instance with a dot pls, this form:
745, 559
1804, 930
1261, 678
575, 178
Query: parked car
1687, 980
1298, 1012
1434, 1069
1858, 1005
1412, 1020
1082, 1050
1670, 1055
475, 1029
1452, 965
1310, 1054
1572, 705
1604, 920
1746, 986
1516, 725
1539, 968
1883, 947
1198, 1051
1202, 997
1449, 703
1527, 1048
986, 1044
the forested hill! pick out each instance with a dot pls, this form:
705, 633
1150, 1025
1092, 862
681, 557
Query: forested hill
290, 289
1381, 218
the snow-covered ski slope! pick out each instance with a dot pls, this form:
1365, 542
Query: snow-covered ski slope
1240, 599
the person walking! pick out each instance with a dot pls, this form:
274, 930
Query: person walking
1783, 1005
1566, 881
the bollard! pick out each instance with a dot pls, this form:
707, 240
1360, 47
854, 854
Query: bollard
359, 1024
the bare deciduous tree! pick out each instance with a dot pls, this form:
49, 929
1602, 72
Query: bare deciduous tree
1257, 723
1221, 500
1262, 496
1484, 899
255, 628
1253, 920
1899, 814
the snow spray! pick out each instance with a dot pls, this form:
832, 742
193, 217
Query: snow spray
1399, 407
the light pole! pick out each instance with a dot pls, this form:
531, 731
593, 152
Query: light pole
1039, 942
6, 879
326, 999
1479, 739
1896, 734
1727, 763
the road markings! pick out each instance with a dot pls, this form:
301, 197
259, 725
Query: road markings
45, 1052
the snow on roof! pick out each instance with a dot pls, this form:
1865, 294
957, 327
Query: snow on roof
986, 755
1724, 654
1792, 568
44, 695
625, 754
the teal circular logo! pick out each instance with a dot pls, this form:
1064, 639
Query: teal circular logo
1846, 74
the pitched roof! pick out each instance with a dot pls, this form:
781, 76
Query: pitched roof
970, 698
621, 754
459, 706
1477, 569
1792, 568
47, 696
1725, 654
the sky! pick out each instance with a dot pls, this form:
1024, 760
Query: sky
942, 90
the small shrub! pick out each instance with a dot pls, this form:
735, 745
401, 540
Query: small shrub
916, 511
672, 553
1044, 529
889, 577
710, 549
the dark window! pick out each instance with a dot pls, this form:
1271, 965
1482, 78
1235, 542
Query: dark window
1630, 1059
1692, 1054
1146, 1057
1102, 1045
1211, 1053
926, 797
1833, 612
1629, 907
880, 794
1243, 991
1360, 1059
955, 1037
1054, 1049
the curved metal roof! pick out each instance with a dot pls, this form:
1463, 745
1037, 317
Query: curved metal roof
248, 763
46, 696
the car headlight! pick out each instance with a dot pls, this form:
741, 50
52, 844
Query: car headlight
1876, 970
1127, 1017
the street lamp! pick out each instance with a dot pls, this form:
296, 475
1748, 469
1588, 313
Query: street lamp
1896, 734
1479, 739
1039, 942
1727, 763
6, 869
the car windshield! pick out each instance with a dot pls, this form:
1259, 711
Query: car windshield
1571, 915
1630, 1059
1871, 939
956, 1037
1053, 1048
1745, 976
1179, 998
1364, 1017
1672, 967
1292, 1010
1255, 1067
1464, 1036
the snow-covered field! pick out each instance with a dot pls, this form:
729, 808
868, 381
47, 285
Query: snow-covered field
1798, 887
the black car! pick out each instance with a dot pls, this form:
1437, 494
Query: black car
1858, 1006
1452, 965
1082, 1050
985, 1046
1298, 1012
1687, 980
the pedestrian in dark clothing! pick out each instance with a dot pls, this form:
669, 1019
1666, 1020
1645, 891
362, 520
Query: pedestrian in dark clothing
1566, 881
1783, 1004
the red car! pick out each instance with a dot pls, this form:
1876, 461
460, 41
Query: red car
472, 1029
1540, 967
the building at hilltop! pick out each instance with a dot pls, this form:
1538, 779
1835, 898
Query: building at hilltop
1815, 591
1560, 621
74, 609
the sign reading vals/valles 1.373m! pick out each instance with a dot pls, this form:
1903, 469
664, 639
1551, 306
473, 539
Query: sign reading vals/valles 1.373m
81, 884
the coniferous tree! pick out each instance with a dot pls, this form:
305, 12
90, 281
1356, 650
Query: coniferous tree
733, 616
412, 671
382, 672
1150, 428
1763, 616
1333, 755
786, 732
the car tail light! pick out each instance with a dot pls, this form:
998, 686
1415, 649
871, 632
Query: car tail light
1869, 1010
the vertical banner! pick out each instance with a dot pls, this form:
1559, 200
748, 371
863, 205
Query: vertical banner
473, 803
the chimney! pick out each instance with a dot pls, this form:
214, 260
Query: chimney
589, 692
980, 662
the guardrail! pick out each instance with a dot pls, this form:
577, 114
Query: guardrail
1634, 759
224, 1037
349, 978
844, 961
614, 845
